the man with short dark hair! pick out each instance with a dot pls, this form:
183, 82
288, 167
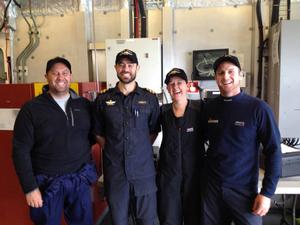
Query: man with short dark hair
126, 126
52, 151
235, 124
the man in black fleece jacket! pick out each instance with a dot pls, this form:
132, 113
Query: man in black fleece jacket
52, 151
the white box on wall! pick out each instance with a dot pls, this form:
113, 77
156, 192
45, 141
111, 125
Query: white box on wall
148, 52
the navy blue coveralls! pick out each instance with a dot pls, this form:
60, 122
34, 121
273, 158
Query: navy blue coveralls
126, 123
180, 167
52, 152
235, 127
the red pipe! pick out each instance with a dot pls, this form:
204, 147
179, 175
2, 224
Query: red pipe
136, 19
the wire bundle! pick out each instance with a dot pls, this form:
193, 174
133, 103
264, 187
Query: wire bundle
292, 142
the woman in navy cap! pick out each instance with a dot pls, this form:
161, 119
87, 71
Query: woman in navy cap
181, 155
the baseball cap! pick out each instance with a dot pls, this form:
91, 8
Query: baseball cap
55, 60
226, 58
176, 72
126, 53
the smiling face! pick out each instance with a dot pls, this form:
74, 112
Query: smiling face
126, 71
228, 78
59, 79
177, 88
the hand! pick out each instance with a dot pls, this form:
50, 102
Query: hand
261, 205
34, 198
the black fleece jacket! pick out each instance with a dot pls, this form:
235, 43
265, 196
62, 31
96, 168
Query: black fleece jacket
49, 141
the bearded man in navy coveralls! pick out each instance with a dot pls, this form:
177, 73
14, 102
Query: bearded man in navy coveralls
126, 126
235, 126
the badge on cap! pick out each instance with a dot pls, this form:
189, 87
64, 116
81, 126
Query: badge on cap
126, 52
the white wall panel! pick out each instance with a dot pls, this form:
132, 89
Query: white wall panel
107, 25
212, 28
59, 36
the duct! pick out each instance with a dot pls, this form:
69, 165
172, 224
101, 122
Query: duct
5, 15
131, 33
275, 12
32, 45
139, 16
50, 7
2, 14
208, 3
143, 19
19, 68
7, 21
288, 9
154, 4
136, 14
108, 5
261, 49
94, 45
10, 76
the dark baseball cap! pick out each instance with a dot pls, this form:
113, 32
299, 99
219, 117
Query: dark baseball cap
128, 54
55, 60
226, 58
175, 72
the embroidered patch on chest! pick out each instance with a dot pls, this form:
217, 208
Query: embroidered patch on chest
142, 102
190, 129
212, 121
110, 102
239, 123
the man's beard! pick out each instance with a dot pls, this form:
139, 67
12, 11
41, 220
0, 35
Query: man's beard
126, 81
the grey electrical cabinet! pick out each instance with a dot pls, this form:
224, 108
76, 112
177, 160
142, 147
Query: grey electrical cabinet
283, 86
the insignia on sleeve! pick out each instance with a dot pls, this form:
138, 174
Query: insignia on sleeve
151, 91
103, 91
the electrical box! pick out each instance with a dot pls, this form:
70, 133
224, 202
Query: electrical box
283, 79
148, 51
15, 95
